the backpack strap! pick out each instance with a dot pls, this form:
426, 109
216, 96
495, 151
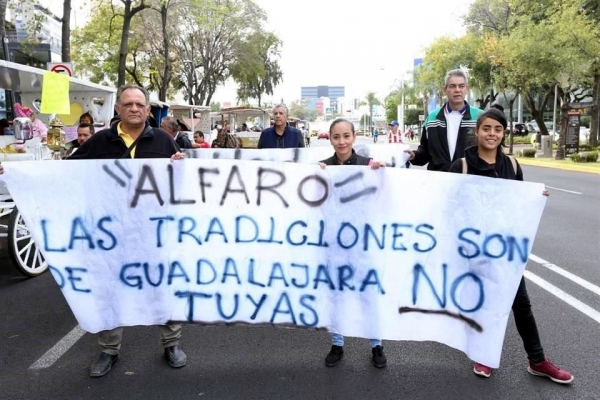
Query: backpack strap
464, 165
127, 153
514, 163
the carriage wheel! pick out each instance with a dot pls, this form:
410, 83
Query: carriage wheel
22, 249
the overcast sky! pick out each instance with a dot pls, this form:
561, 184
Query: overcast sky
363, 46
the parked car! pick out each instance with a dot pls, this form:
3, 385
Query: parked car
323, 135
520, 129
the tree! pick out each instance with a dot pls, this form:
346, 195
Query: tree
158, 28
371, 101
96, 47
298, 110
215, 32
66, 31
412, 116
257, 70
129, 11
215, 106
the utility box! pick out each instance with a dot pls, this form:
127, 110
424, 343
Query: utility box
546, 146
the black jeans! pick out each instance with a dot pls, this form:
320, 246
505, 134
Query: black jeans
526, 325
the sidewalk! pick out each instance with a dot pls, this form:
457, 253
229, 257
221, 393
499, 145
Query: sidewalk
550, 162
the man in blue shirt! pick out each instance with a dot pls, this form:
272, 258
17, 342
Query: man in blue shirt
280, 136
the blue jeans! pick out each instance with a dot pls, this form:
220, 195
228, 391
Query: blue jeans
338, 340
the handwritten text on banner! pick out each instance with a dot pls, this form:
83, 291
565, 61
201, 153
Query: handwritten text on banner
393, 253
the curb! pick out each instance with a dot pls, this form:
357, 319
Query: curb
545, 164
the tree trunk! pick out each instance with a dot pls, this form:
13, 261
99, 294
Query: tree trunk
511, 103
124, 44
128, 14
538, 114
166, 78
66, 31
595, 113
564, 126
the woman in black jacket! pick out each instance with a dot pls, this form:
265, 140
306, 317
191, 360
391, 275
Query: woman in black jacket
488, 159
342, 136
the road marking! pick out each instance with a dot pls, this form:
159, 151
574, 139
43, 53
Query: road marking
562, 190
580, 281
567, 298
59, 349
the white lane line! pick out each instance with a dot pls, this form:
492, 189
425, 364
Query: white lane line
567, 298
59, 349
580, 281
562, 190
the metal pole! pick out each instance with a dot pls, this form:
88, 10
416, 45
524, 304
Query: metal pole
11, 94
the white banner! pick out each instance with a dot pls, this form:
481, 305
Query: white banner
393, 155
396, 254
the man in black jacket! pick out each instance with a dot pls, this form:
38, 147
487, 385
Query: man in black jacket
447, 130
280, 136
132, 137
170, 125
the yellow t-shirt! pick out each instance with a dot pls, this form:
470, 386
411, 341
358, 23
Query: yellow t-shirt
127, 139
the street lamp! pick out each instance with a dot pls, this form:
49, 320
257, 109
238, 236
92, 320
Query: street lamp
190, 71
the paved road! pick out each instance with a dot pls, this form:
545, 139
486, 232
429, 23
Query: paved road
242, 362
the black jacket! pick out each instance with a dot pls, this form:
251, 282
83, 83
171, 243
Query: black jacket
354, 159
503, 167
291, 138
106, 144
183, 141
434, 139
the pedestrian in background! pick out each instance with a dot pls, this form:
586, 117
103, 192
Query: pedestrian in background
280, 135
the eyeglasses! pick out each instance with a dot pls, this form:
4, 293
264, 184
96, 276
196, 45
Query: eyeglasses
280, 143
454, 86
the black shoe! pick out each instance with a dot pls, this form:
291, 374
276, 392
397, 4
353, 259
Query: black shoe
335, 356
379, 359
175, 356
103, 364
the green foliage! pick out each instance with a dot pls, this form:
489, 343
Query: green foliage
520, 140
298, 110
194, 45
257, 68
215, 106
591, 156
391, 108
95, 46
529, 153
411, 116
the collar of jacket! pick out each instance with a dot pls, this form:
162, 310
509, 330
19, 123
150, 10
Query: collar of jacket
350, 161
113, 133
466, 113
478, 164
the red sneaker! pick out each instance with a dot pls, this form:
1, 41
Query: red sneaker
482, 370
549, 370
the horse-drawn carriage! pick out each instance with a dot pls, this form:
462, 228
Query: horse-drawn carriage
26, 84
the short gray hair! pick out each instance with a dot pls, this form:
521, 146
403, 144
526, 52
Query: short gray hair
456, 72
123, 88
281, 105
172, 123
